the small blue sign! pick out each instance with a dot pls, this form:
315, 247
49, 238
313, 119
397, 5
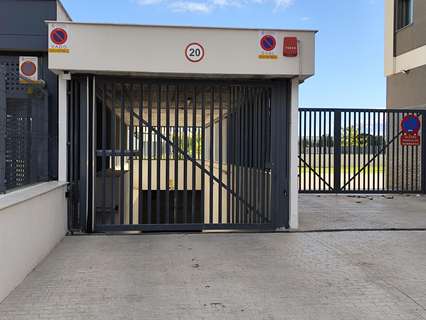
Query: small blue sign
410, 124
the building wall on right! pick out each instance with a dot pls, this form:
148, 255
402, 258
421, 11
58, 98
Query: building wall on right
405, 53
407, 90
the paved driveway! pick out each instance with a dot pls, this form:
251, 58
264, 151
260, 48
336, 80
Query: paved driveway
330, 212
342, 275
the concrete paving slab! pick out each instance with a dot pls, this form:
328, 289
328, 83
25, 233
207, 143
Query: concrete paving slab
330, 212
343, 275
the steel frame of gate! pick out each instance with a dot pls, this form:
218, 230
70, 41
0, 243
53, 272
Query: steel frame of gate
342, 151
85, 94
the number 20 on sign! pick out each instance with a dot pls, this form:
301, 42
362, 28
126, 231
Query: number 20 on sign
194, 52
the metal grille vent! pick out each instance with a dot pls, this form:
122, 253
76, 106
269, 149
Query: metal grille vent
18, 129
11, 66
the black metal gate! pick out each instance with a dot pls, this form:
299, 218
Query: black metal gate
359, 151
186, 155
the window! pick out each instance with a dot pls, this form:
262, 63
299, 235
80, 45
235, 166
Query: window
404, 14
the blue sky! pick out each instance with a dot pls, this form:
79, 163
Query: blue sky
349, 57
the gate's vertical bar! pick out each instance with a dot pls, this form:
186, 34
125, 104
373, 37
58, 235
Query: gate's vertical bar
345, 140
314, 165
301, 112
103, 128
113, 151
370, 141
324, 149
366, 141
256, 164
220, 156
238, 153
229, 137
330, 146
159, 157
141, 159
167, 155
122, 142
382, 146
246, 106
412, 169
304, 150
403, 163
386, 140
279, 150
423, 151
396, 129
149, 182
211, 154
185, 149
337, 149
176, 157
358, 152
263, 138
374, 151
194, 153
203, 152
130, 145
232, 146
250, 143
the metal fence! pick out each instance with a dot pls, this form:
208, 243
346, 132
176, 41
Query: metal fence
359, 151
24, 136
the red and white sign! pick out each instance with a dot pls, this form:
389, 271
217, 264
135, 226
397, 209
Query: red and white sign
290, 47
410, 126
28, 69
194, 52
58, 39
410, 140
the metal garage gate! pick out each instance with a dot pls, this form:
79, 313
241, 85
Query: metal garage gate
359, 151
187, 155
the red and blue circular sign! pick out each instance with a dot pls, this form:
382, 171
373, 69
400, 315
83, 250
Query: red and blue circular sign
268, 42
58, 36
410, 124
28, 68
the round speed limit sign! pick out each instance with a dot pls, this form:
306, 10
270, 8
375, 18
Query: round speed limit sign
194, 52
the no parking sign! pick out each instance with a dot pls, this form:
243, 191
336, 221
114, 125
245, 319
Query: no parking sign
58, 39
28, 69
267, 45
410, 126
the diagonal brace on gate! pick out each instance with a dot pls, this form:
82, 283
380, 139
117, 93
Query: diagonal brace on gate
315, 172
203, 169
373, 158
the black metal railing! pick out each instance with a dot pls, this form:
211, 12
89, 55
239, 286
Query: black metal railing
358, 151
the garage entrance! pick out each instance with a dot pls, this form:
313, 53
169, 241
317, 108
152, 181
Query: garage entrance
187, 155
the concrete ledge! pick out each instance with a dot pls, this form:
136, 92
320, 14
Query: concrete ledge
33, 221
15, 197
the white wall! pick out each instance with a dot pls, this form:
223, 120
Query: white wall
110, 48
294, 152
32, 222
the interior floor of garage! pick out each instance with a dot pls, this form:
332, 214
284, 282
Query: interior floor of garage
359, 212
331, 276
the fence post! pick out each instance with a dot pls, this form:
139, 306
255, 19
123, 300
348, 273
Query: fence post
337, 149
423, 157
2, 129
